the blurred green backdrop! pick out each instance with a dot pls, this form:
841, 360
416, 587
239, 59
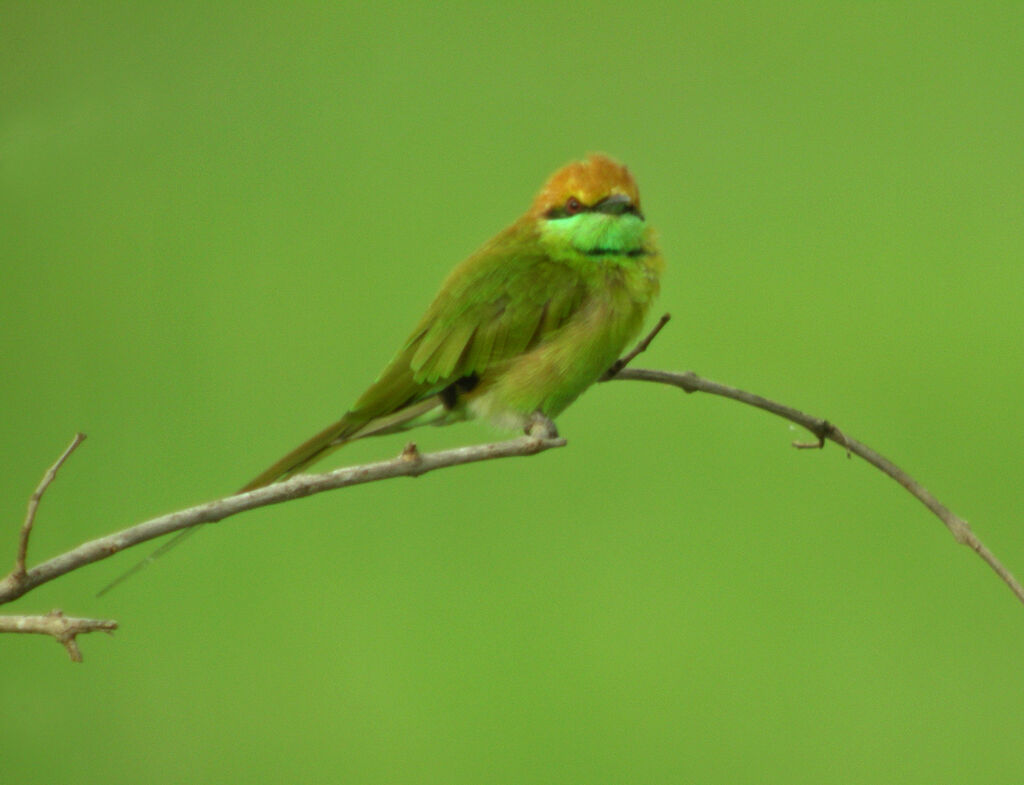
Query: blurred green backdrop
217, 222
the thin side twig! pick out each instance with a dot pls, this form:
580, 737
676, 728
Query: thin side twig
60, 627
824, 430
640, 348
18, 573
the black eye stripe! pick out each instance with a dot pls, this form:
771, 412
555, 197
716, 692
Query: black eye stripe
560, 212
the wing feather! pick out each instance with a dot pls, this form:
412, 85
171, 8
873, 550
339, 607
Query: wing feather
495, 306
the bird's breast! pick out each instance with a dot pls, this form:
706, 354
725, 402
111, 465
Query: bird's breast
552, 374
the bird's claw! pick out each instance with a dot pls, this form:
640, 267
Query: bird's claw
540, 426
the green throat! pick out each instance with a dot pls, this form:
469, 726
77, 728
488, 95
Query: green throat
596, 234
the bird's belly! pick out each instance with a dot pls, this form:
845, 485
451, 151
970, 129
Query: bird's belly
552, 375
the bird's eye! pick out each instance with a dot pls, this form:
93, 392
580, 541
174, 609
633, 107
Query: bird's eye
573, 205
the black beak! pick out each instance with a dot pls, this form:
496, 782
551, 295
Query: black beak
617, 204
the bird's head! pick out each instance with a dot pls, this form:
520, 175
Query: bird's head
591, 207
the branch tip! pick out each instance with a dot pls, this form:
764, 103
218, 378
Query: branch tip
63, 629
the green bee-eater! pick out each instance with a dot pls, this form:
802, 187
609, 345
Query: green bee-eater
524, 325
520, 328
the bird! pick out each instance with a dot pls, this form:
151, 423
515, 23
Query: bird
520, 328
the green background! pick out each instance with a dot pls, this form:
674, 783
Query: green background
217, 224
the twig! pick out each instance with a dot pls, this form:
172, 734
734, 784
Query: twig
409, 464
63, 628
18, 573
641, 347
824, 430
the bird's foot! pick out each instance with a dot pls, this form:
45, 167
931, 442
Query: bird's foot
541, 426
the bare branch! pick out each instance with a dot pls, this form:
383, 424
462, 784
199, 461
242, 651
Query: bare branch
18, 573
410, 463
62, 628
824, 430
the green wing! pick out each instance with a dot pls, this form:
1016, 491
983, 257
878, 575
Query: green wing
481, 317
494, 306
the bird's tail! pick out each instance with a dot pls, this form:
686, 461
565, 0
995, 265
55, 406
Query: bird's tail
347, 429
